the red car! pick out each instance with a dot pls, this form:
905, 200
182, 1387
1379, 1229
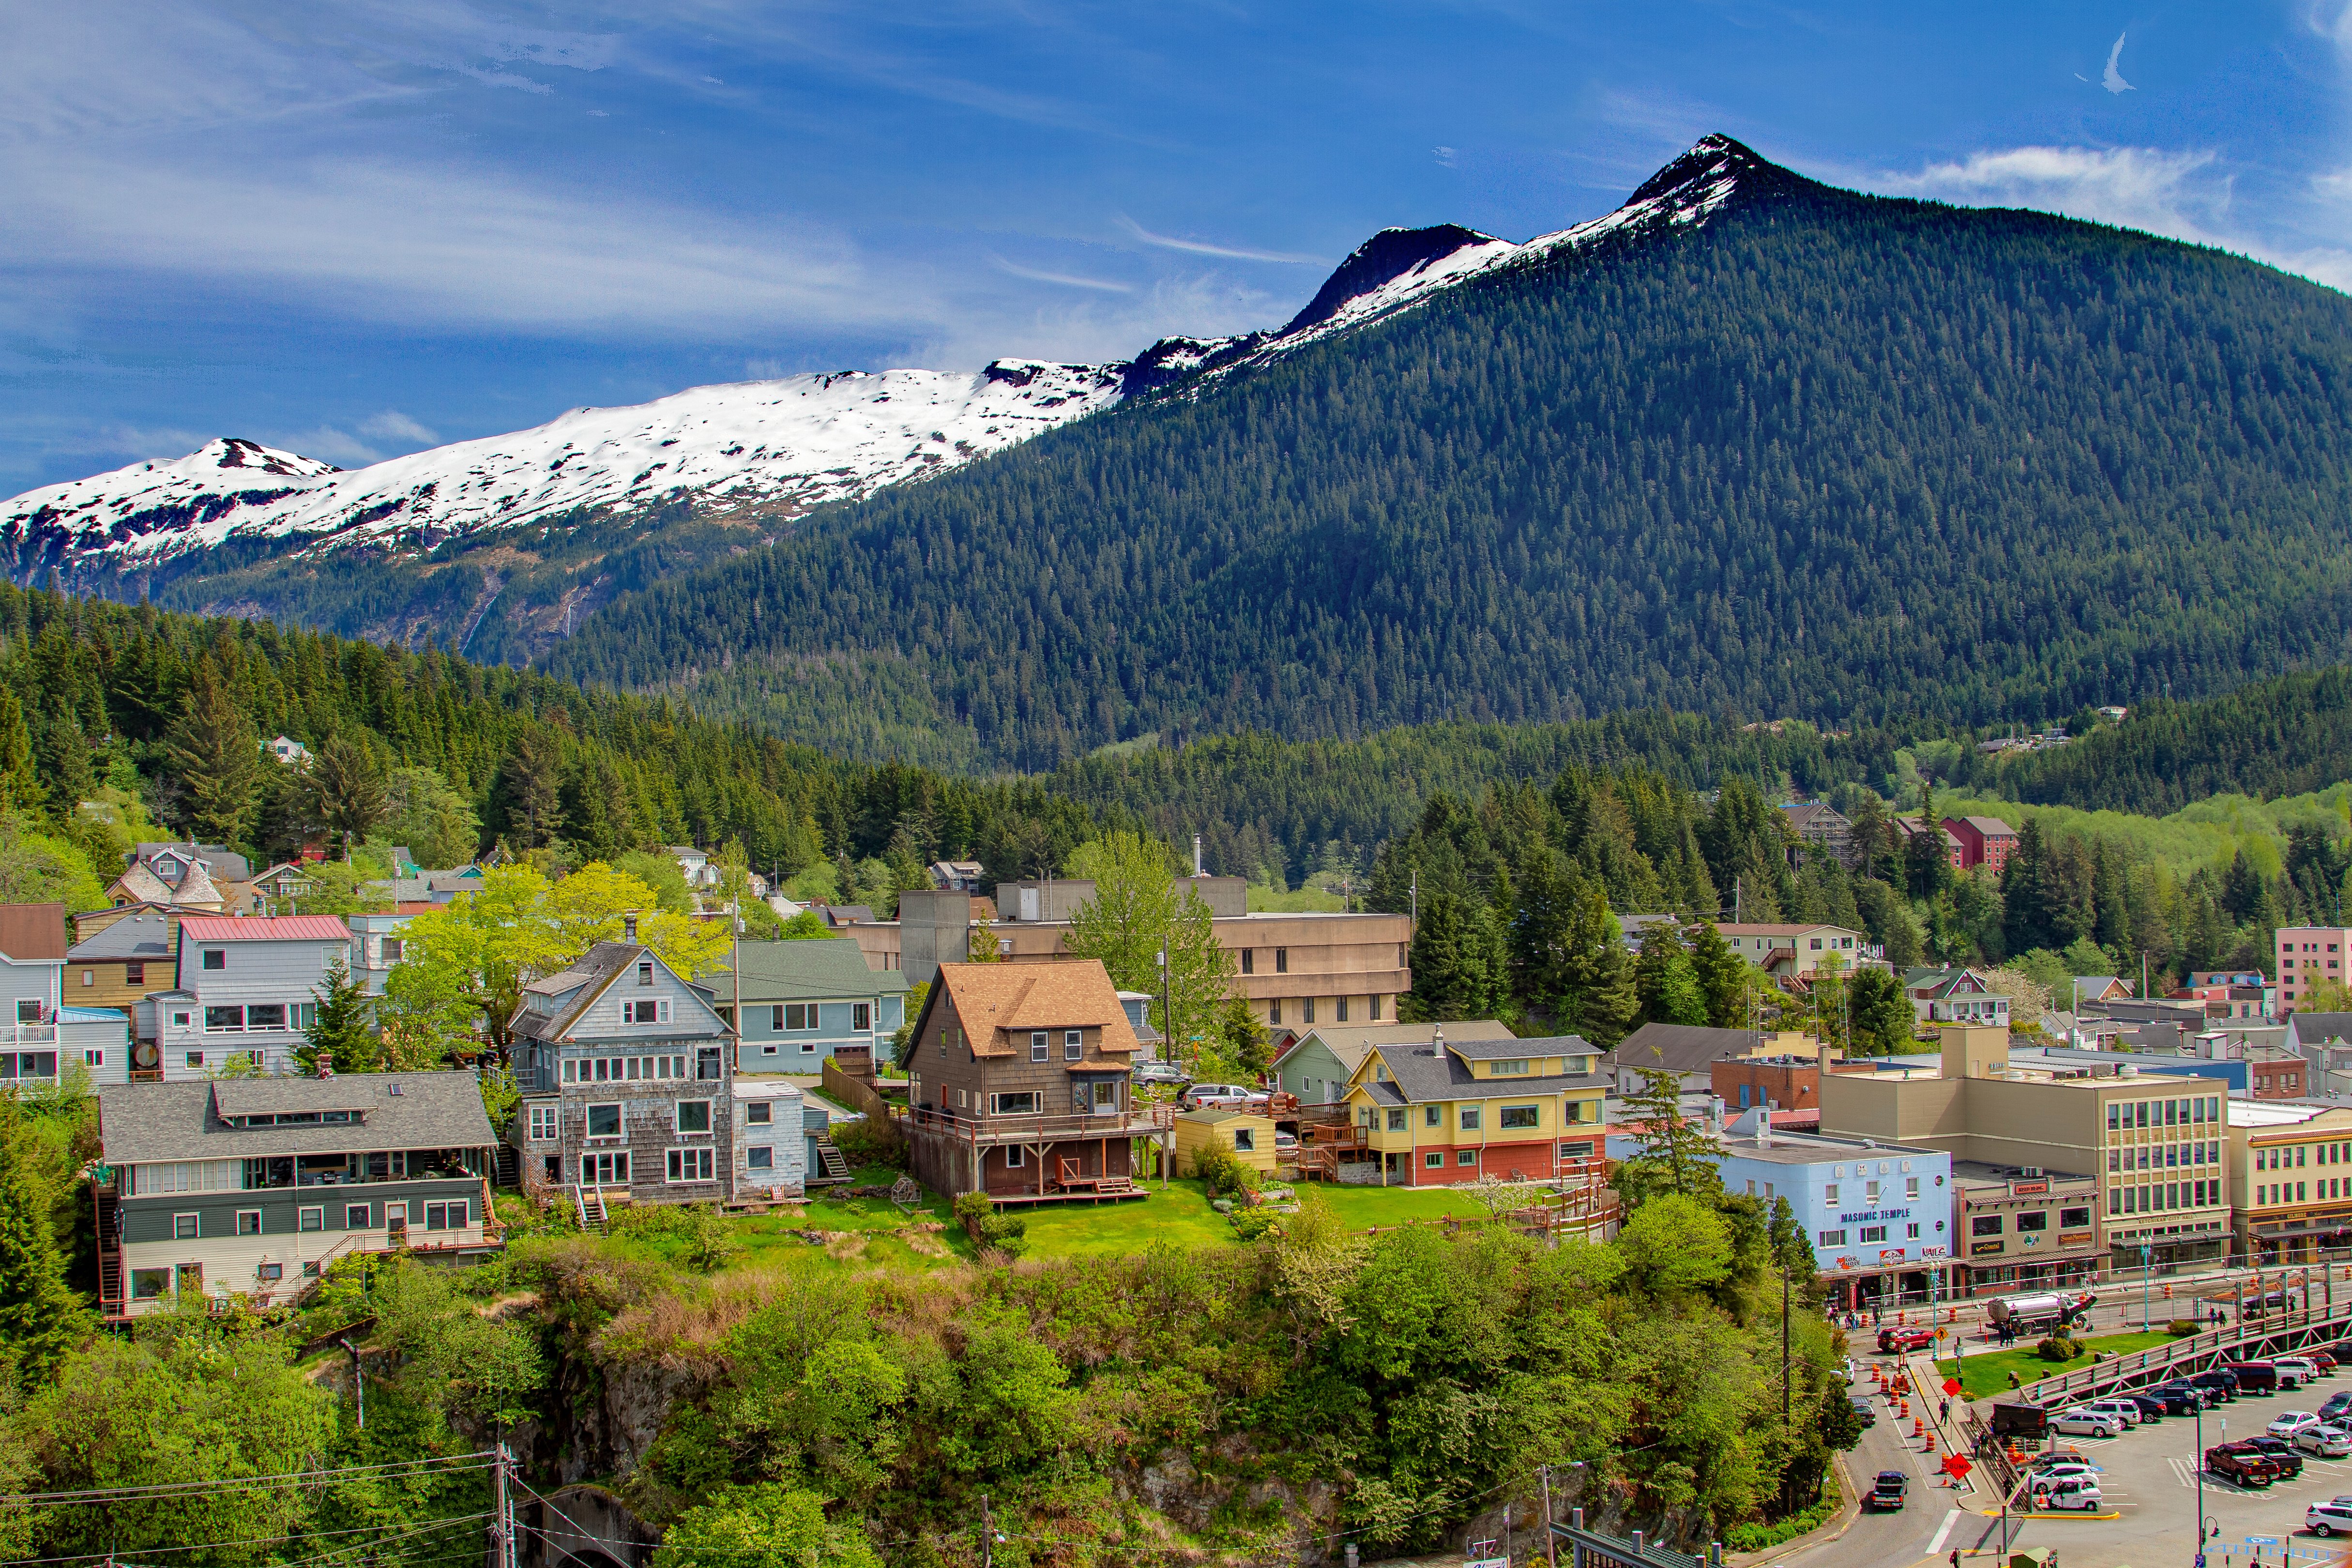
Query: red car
1892, 1342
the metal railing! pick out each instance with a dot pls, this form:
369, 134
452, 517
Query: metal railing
1137, 1121
2278, 1334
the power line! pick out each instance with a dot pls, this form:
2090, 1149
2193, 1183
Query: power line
456, 1463
261, 1540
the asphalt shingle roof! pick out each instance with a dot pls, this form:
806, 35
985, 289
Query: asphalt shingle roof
1683, 1047
142, 937
798, 971
1418, 1074
145, 1123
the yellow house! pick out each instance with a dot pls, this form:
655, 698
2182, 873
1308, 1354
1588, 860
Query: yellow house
1246, 1135
1445, 1111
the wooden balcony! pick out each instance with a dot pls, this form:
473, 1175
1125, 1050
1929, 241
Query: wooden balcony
1141, 1122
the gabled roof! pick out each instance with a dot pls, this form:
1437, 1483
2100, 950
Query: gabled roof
1738, 928
803, 971
140, 883
32, 933
1349, 1042
1507, 1049
1683, 1047
2311, 1029
263, 927
141, 1123
223, 861
1421, 1073
142, 937
1069, 994
1991, 826
594, 970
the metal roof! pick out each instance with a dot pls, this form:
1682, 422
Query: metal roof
263, 927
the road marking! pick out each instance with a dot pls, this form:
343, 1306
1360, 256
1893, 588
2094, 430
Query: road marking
1944, 1532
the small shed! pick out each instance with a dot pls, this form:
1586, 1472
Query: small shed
1248, 1135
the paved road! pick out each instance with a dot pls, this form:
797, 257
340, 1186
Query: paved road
1890, 1540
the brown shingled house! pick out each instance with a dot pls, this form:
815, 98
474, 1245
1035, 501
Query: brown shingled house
1019, 1085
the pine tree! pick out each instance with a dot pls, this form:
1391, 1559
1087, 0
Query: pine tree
217, 754
1665, 979
1725, 978
1453, 972
1597, 992
349, 787
529, 789
40, 1317
20, 780
342, 1033
1884, 1020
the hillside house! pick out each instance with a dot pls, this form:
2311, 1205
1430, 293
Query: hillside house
1318, 1067
1985, 841
1792, 952
1820, 825
1445, 1111
244, 990
626, 1082
249, 1186
1907, 829
46, 1039
1018, 1078
771, 1138
1954, 996
805, 1002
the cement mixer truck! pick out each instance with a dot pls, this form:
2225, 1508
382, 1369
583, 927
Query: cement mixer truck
2020, 1315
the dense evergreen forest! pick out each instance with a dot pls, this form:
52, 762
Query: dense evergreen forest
1859, 460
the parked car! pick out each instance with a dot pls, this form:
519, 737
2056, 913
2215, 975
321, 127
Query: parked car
1895, 1342
2061, 1466
1160, 1072
2287, 1423
2122, 1410
2302, 1367
2279, 1452
2149, 1407
1284, 1142
2323, 1442
2253, 1376
2220, 1384
2336, 1404
2179, 1398
2241, 1465
1221, 1096
2084, 1422
2321, 1358
2073, 1492
1887, 1492
2327, 1518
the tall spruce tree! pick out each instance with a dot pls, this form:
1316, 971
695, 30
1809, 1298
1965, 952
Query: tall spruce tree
40, 1317
215, 752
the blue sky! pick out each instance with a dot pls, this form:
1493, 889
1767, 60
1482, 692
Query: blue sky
360, 229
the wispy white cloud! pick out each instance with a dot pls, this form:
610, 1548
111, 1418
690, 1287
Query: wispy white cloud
2111, 78
1201, 248
328, 444
1067, 279
391, 424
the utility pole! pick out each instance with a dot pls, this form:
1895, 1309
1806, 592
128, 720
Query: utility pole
987, 1535
1551, 1542
1784, 1337
502, 1530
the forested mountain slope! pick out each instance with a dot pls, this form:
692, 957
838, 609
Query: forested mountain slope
1802, 452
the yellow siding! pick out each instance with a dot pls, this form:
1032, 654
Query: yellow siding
1195, 1132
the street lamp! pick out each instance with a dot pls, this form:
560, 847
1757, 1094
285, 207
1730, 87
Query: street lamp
2145, 1252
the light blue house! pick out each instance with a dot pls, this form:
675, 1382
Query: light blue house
803, 1001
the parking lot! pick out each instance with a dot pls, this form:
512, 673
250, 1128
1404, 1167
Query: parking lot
2148, 1477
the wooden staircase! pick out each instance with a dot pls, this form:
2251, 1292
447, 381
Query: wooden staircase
591, 1201
832, 1165
509, 1166
110, 1295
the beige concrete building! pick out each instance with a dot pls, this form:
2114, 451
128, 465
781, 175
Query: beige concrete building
2292, 1167
1296, 970
2154, 1141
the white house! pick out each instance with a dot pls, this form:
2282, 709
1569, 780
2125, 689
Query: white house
293, 754
770, 1142
247, 989
45, 1039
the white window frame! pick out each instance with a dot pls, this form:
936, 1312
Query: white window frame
678, 1119
312, 1218
633, 1010
1038, 1050
691, 1164
367, 1213
245, 1215
1073, 1044
546, 1123
620, 1122
1036, 1106
187, 1227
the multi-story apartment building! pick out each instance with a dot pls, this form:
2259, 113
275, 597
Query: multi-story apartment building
2310, 956
2291, 1166
249, 1186
1296, 971
1822, 825
1443, 1111
625, 1080
1019, 1081
803, 1001
2024, 1227
2156, 1143
1985, 841
246, 988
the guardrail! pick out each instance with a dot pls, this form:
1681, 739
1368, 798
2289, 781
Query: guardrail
1017, 1128
2281, 1334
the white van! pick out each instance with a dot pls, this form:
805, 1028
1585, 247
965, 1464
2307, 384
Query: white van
2304, 1370
2071, 1493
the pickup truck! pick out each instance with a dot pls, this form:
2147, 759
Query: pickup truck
1894, 1341
1888, 1492
2236, 1463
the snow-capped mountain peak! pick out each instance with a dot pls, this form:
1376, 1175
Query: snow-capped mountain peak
777, 447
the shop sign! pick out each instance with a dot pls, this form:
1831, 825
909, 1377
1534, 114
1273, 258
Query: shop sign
1891, 1254
2027, 1189
1935, 1252
2074, 1238
1849, 1263
1985, 1248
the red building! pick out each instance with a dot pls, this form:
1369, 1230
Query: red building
1983, 840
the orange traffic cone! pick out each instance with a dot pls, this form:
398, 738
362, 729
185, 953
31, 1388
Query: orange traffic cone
1918, 1428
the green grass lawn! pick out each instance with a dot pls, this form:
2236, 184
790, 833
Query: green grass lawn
1179, 1214
1988, 1372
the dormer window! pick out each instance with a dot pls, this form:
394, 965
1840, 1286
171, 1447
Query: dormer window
1509, 1066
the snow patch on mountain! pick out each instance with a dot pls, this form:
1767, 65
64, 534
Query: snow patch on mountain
784, 444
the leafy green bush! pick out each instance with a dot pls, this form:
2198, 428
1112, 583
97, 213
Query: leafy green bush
1221, 1172
990, 1227
1256, 1224
2184, 1327
1756, 1537
864, 1142
2058, 1347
